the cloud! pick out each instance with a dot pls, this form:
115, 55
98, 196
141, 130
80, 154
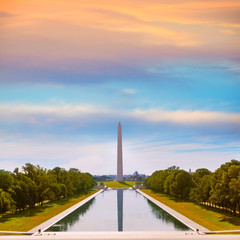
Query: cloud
4, 14
227, 31
40, 115
71, 42
99, 157
49, 154
56, 33
187, 117
37, 114
156, 155
65, 110
127, 91
43, 71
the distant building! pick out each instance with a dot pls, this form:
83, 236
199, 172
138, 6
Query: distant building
190, 171
135, 174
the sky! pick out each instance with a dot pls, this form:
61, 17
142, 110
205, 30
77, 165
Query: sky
70, 70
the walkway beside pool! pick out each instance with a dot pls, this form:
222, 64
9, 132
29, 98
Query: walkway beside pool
61, 215
188, 222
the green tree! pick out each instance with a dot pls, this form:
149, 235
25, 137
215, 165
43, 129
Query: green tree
234, 187
223, 182
201, 192
202, 185
199, 174
6, 202
41, 179
24, 191
181, 185
36, 185
63, 177
6, 181
169, 181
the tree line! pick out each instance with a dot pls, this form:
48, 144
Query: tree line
36, 185
218, 189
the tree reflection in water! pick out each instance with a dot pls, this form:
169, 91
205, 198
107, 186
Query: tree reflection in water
69, 220
166, 217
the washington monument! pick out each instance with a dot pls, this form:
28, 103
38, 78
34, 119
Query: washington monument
119, 154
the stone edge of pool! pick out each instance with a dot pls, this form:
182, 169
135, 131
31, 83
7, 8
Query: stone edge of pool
186, 221
43, 226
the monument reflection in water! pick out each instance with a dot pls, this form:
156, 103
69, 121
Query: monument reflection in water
119, 210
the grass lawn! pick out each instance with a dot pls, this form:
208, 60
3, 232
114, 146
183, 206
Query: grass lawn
211, 218
119, 184
30, 218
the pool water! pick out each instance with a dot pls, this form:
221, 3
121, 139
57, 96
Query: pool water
119, 210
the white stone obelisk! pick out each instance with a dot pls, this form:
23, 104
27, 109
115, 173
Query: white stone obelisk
119, 154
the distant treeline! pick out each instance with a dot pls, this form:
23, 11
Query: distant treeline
218, 189
36, 185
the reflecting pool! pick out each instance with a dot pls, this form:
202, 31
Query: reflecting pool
119, 210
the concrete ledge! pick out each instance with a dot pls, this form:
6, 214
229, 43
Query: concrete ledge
188, 222
122, 235
61, 215
224, 231
15, 232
